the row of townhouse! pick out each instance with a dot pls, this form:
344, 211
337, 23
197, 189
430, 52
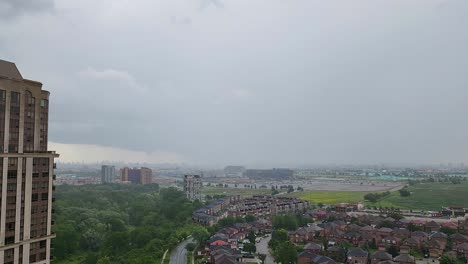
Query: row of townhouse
212, 213
267, 205
258, 206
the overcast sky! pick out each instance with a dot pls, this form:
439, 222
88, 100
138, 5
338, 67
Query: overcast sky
272, 82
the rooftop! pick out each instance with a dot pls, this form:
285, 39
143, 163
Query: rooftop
9, 70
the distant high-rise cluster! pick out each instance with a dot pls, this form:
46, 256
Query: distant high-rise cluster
192, 187
27, 169
107, 174
136, 176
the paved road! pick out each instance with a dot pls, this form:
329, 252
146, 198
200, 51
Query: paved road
262, 248
179, 254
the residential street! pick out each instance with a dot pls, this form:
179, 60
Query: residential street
179, 254
262, 248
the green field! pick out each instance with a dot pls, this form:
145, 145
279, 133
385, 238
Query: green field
327, 197
425, 196
243, 192
428, 196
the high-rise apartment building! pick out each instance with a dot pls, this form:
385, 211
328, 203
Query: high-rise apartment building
107, 174
192, 187
146, 175
27, 170
136, 176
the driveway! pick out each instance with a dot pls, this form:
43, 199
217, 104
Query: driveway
179, 254
262, 248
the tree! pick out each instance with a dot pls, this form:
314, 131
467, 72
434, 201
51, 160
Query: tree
277, 237
404, 192
396, 216
370, 197
200, 234
373, 244
412, 227
251, 237
67, 240
274, 190
286, 253
288, 222
250, 247
393, 250
447, 230
446, 259
104, 260
127, 223
387, 224
290, 188
190, 247
250, 218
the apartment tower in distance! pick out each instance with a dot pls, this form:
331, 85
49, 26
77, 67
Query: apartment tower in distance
27, 169
136, 176
192, 187
107, 174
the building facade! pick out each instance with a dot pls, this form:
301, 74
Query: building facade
136, 176
27, 169
192, 187
107, 174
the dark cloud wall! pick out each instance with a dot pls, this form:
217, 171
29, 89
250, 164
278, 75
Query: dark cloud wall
264, 82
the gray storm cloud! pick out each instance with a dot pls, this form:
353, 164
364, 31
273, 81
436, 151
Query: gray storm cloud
252, 82
13, 8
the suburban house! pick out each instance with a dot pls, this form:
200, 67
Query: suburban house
379, 256
357, 256
404, 259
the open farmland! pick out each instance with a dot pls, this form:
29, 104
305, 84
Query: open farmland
428, 196
329, 197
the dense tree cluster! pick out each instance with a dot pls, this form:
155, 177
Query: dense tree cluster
288, 222
404, 192
438, 178
283, 250
374, 197
120, 223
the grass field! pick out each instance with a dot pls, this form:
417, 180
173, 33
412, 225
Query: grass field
327, 197
425, 196
428, 196
234, 191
